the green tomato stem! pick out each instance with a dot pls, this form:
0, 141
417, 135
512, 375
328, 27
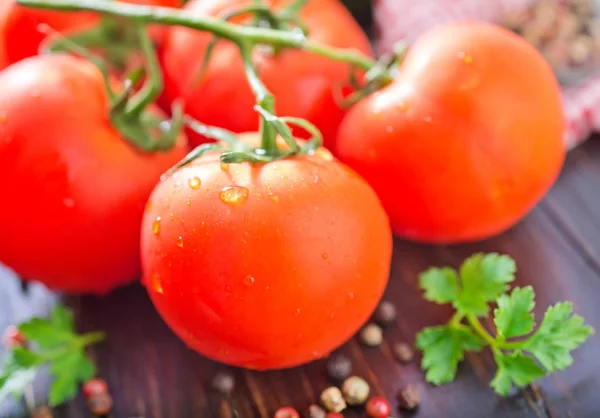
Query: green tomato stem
154, 82
220, 28
91, 338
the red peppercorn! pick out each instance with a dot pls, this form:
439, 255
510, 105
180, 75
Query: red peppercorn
378, 407
286, 412
335, 415
12, 338
94, 387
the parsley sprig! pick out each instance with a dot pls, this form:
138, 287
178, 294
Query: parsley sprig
521, 354
53, 342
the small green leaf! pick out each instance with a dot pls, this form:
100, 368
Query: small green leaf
23, 357
513, 317
559, 334
483, 279
515, 368
44, 333
68, 370
440, 284
62, 318
443, 348
64, 387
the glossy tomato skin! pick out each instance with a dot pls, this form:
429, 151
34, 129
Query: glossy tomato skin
73, 190
303, 83
21, 34
276, 272
465, 141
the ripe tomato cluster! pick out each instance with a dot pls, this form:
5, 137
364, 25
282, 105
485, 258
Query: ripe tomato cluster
275, 260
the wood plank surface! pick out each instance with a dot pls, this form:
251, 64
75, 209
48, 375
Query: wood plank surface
152, 374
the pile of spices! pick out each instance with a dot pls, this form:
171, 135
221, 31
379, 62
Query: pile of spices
99, 401
566, 32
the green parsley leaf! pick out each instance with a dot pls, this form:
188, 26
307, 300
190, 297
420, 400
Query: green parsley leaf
57, 345
443, 348
483, 279
517, 369
440, 284
513, 317
44, 333
559, 334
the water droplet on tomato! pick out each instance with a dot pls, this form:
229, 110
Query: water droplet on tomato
224, 352
467, 59
351, 295
180, 242
228, 288
148, 206
403, 107
188, 202
233, 195
274, 197
225, 167
155, 283
427, 119
389, 129
249, 280
315, 355
156, 226
194, 182
325, 256
298, 311
68, 202
171, 216
316, 179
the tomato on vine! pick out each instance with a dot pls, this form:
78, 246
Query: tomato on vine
269, 265
73, 188
304, 84
465, 141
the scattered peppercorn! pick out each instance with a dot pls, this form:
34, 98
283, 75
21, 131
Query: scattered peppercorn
286, 412
409, 398
385, 314
94, 387
339, 367
223, 382
100, 404
371, 335
12, 338
315, 411
333, 400
378, 407
42, 412
355, 390
334, 415
403, 352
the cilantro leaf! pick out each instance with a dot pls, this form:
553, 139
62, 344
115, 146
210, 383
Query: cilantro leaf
69, 370
45, 333
14, 377
440, 284
516, 369
483, 279
513, 317
443, 348
559, 334
62, 318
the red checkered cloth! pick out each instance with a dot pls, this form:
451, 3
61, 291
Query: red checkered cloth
407, 19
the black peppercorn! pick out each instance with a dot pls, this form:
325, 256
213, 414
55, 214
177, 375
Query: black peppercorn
100, 404
385, 314
409, 398
223, 382
403, 352
339, 367
315, 411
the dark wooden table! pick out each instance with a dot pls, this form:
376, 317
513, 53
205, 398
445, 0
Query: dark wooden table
557, 247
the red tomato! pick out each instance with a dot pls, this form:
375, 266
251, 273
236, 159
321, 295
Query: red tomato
302, 82
267, 266
465, 141
73, 190
20, 34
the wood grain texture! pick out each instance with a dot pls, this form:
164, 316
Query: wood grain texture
557, 247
